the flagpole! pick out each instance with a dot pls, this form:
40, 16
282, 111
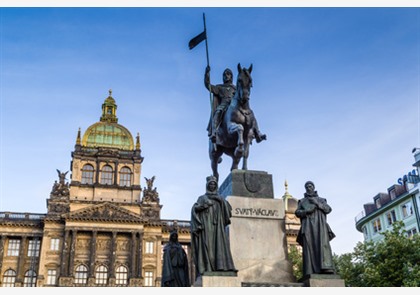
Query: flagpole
209, 86
208, 62
207, 47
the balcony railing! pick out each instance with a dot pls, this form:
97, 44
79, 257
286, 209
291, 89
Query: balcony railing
360, 216
21, 216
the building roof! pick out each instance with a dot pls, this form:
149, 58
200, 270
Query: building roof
107, 132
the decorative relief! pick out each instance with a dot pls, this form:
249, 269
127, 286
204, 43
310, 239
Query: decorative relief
59, 208
103, 244
150, 213
252, 182
107, 152
107, 211
123, 246
82, 244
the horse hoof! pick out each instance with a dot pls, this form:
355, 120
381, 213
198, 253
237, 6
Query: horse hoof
261, 138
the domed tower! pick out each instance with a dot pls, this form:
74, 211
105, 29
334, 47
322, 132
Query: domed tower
106, 164
292, 222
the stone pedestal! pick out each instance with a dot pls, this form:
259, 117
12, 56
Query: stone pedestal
218, 279
257, 230
322, 280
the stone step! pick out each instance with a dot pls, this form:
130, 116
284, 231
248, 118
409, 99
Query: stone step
245, 284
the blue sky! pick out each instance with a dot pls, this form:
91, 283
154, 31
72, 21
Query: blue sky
336, 90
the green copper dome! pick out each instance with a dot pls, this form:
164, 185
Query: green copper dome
108, 133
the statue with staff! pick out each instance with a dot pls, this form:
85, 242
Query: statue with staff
232, 125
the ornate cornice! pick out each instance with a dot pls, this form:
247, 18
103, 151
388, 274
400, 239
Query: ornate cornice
105, 212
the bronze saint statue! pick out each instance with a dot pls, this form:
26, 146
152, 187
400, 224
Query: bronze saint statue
234, 127
210, 216
175, 264
222, 95
315, 234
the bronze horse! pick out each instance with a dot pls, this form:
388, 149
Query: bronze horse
238, 128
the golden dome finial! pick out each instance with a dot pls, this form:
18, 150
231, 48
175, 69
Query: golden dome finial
286, 186
110, 92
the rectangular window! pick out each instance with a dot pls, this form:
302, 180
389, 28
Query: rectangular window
411, 232
391, 217
148, 279
378, 203
149, 248
407, 209
51, 277
13, 248
33, 248
55, 244
376, 225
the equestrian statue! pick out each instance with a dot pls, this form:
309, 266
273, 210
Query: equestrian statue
233, 125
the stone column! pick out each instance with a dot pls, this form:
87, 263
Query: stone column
92, 254
2, 241
97, 172
140, 256
72, 250
133, 255
64, 255
21, 260
116, 173
113, 254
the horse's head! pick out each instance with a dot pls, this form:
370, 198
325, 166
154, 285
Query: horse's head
244, 84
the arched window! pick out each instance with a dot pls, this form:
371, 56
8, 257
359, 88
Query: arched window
29, 279
80, 275
87, 174
101, 275
106, 175
121, 275
9, 278
125, 176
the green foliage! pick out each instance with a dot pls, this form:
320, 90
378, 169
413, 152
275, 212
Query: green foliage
392, 262
295, 257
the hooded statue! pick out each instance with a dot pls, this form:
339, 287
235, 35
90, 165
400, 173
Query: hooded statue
315, 234
175, 264
210, 216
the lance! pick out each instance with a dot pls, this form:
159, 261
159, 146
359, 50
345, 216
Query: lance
209, 85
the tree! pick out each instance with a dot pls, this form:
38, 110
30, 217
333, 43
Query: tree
295, 258
391, 262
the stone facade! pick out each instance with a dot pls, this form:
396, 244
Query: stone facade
101, 228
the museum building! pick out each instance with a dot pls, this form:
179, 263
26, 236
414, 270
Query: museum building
101, 228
